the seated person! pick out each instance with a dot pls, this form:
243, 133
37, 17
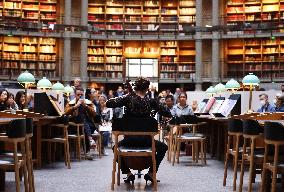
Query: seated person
279, 104
138, 105
170, 103
11, 104
3, 99
182, 108
106, 115
82, 110
265, 105
21, 99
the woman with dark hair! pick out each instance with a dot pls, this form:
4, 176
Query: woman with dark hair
138, 105
3, 99
182, 108
20, 99
11, 104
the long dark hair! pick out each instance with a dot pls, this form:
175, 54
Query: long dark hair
141, 84
3, 90
18, 98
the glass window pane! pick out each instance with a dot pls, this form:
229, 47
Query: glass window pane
134, 71
147, 70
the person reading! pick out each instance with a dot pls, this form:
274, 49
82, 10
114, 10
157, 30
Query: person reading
138, 105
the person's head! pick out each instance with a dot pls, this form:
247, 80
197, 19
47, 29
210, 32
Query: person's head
280, 101
3, 95
178, 91
102, 89
79, 93
119, 90
77, 82
182, 98
110, 92
164, 94
168, 92
102, 101
194, 105
152, 88
169, 101
141, 85
263, 98
20, 98
11, 99
282, 88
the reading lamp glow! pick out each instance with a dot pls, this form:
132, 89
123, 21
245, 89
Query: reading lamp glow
44, 84
220, 88
232, 85
58, 87
250, 80
26, 79
211, 91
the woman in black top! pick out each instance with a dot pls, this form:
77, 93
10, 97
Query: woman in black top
20, 99
138, 105
3, 99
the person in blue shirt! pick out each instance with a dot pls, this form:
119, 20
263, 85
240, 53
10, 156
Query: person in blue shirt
265, 105
280, 104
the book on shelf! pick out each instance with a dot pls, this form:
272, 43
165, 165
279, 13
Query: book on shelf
187, 11
96, 51
151, 3
113, 59
187, 3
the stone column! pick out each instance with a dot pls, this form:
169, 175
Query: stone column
84, 12
67, 65
215, 44
198, 47
84, 60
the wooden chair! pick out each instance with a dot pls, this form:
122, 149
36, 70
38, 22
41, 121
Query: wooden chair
251, 132
78, 137
16, 134
120, 152
169, 138
273, 136
28, 141
64, 140
98, 138
235, 131
194, 138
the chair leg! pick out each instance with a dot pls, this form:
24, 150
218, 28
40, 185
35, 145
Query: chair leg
242, 166
17, 175
205, 143
29, 164
236, 156
24, 156
154, 172
113, 169
178, 151
79, 147
175, 150
251, 166
118, 170
84, 142
275, 166
193, 151
263, 174
226, 161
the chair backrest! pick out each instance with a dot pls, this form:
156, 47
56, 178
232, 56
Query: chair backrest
274, 131
135, 124
16, 128
251, 127
29, 125
184, 119
235, 125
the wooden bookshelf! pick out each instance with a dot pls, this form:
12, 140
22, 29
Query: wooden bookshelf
38, 55
239, 11
30, 11
137, 17
107, 58
186, 65
168, 59
262, 57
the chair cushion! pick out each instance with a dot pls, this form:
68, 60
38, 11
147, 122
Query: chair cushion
274, 131
17, 128
135, 124
235, 125
134, 149
251, 127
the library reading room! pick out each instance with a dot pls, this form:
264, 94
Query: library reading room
142, 95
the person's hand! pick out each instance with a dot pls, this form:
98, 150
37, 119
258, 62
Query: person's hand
78, 104
83, 102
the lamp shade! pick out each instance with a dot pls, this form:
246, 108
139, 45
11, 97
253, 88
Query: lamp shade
26, 78
58, 87
232, 85
44, 83
68, 89
251, 79
210, 90
220, 88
